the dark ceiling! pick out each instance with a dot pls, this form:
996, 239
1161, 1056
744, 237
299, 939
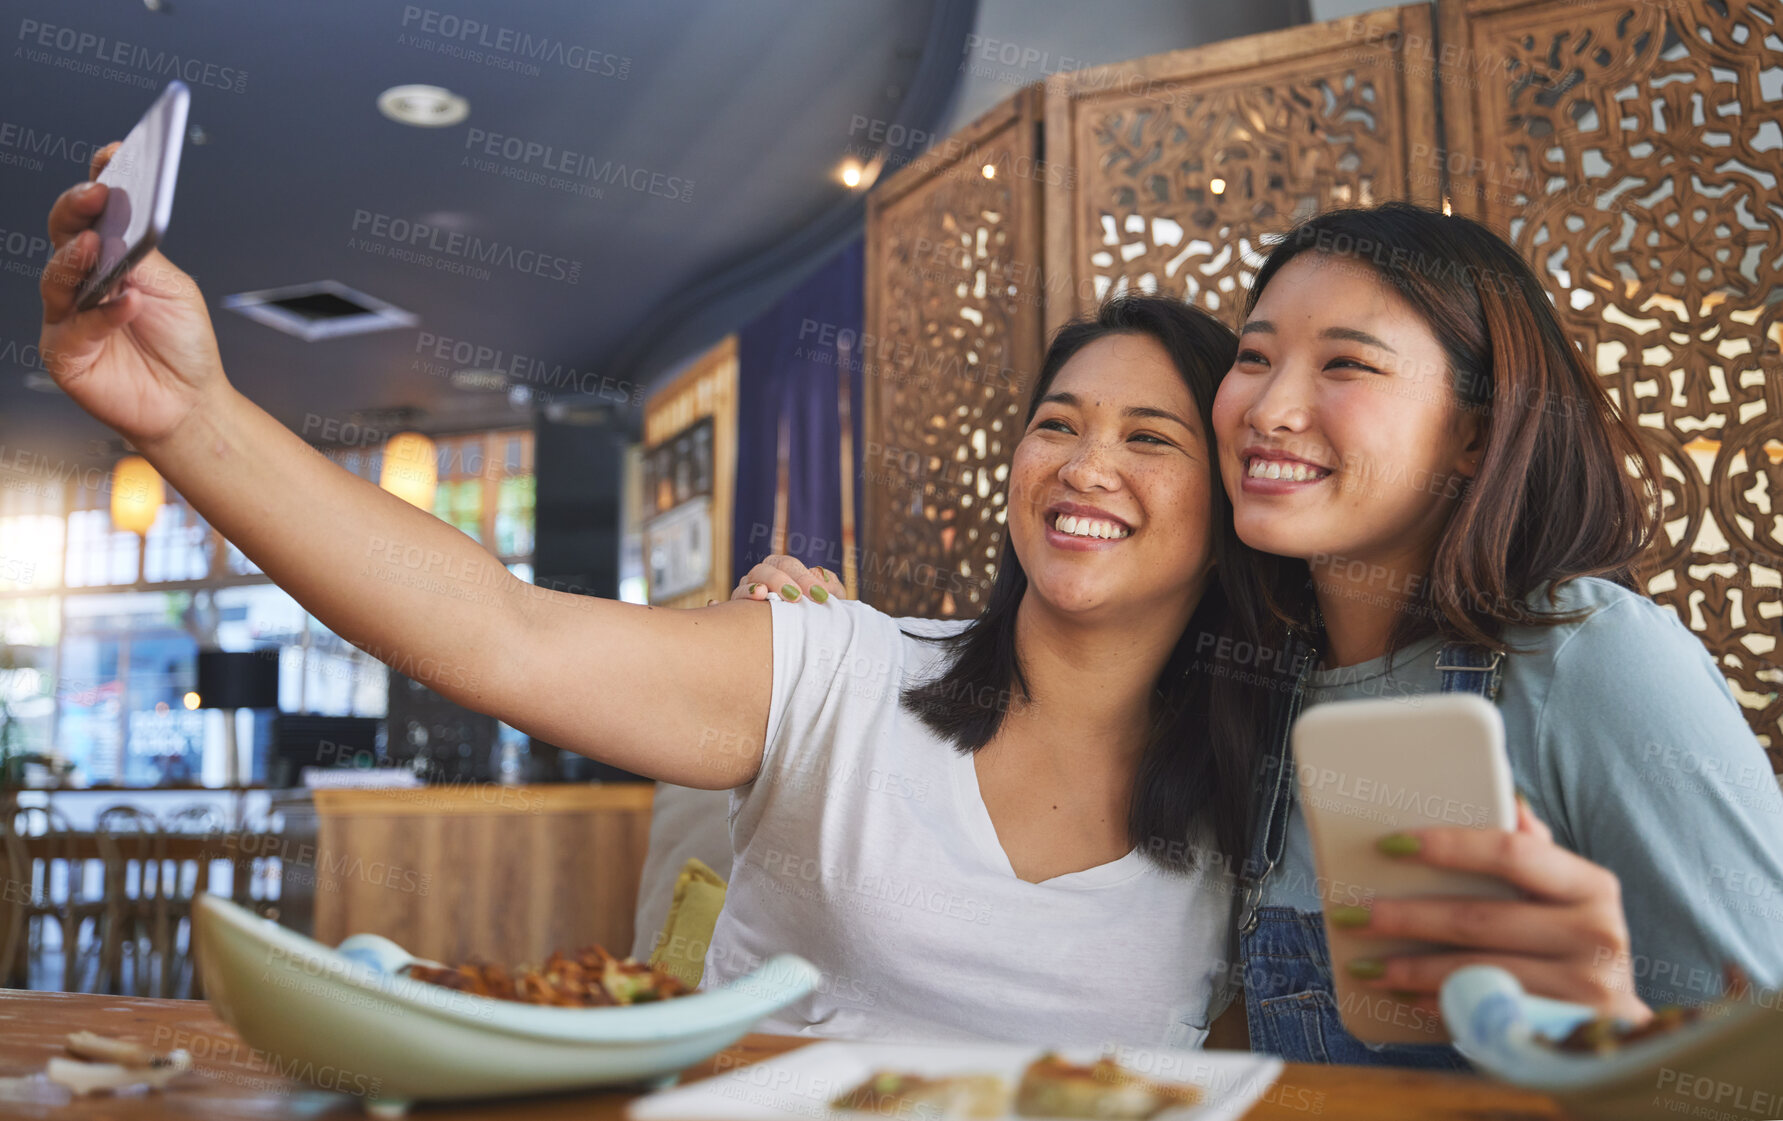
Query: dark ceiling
711, 130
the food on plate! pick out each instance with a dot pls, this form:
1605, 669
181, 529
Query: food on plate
1103, 1091
891, 1093
104, 1063
1050, 1087
1602, 1035
590, 978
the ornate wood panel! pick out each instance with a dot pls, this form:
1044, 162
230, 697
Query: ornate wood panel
1632, 152
952, 341
1185, 161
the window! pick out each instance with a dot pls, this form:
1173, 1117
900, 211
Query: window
29, 632
178, 546
486, 489
95, 661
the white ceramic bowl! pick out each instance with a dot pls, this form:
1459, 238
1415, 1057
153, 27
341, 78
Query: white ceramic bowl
345, 1020
1727, 1061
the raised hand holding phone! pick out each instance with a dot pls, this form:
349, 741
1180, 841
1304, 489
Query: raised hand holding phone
139, 179
142, 361
146, 364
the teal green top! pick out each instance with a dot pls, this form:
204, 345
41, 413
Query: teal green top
1628, 743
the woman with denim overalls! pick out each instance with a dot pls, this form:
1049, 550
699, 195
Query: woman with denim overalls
1418, 457
1430, 484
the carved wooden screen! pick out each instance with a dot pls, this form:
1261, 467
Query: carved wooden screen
952, 341
1632, 152
1185, 161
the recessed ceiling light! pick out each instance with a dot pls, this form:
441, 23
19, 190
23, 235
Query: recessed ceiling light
583, 413
475, 379
850, 173
323, 309
423, 106
457, 221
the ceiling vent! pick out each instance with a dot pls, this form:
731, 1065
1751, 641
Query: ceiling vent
323, 309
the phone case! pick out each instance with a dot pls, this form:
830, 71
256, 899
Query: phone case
1369, 768
141, 176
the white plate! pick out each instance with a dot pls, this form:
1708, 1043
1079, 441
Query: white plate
345, 1019
800, 1084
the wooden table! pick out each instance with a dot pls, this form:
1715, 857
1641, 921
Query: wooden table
231, 1081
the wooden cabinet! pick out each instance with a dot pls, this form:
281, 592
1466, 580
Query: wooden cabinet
505, 873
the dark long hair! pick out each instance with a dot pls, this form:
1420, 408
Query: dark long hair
1190, 798
1564, 488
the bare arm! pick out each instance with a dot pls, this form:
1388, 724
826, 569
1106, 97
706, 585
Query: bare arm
681, 696
677, 695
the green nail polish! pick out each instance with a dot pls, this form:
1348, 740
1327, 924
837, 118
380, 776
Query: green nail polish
818, 594
1406, 996
753, 588
1348, 916
1367, 969
791, 593
1399, 844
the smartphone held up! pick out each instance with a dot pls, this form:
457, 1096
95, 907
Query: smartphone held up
139, 203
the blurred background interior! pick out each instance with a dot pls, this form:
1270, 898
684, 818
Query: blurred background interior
636, 294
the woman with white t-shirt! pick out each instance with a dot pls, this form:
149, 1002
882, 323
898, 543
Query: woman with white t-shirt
997, 892
955, 820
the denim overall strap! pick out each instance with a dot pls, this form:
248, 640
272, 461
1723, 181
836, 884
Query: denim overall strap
1272, 802
1275, 790
1471, 669
1290, 1003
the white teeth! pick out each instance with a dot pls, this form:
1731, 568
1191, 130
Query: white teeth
1282, 469
1090, 527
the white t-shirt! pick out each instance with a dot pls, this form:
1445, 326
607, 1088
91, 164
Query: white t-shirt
864, 847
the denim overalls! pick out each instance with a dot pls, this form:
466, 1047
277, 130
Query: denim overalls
1285, 965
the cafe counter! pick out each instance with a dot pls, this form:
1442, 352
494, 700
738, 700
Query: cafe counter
450, 872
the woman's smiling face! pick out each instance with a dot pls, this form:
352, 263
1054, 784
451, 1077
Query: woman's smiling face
1111, 485
1341, 439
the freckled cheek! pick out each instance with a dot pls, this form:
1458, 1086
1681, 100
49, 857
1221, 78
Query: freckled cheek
1182, 508
1029, 475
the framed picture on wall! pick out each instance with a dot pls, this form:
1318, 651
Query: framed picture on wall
678, 535
689, 476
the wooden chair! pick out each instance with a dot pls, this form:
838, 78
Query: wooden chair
48, 886
256, 871
131, 845
183, 878
14, 899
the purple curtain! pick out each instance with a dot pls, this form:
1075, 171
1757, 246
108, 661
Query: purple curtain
789, 364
